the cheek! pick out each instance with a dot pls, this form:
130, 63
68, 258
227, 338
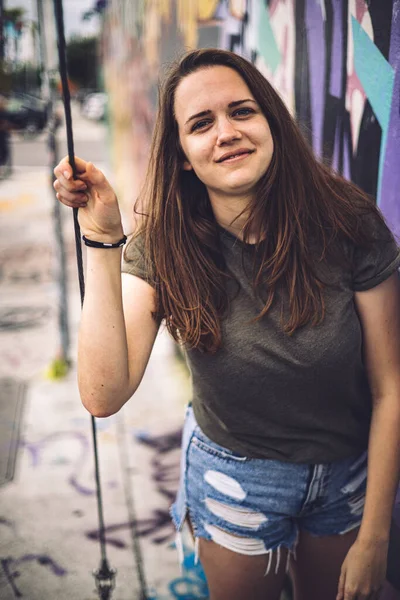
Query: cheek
198, 154
267, 143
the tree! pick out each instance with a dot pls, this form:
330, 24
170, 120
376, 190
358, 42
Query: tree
83, 61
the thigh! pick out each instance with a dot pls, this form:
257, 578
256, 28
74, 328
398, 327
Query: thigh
234, 576
316, 570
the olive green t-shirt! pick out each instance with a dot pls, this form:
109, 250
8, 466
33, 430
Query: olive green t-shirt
303, 398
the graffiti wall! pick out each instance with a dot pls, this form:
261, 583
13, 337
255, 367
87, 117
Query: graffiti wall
336, 63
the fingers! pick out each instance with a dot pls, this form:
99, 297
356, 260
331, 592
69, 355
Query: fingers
64, 165
94, 176
71, 193
76, 192
69, 189
63, 172
87, 173
79, 201
340, 594
71, 185
377, 594
358, 595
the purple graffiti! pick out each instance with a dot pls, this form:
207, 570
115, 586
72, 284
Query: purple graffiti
11, 569
390, 185
36, 448
165, 474
159, 521
316, 48
7, 523
339, 44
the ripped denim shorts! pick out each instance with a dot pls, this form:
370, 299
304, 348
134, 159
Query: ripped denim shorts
255, 506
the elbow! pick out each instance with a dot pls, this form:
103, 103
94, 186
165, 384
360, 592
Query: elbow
106, 407
99, 412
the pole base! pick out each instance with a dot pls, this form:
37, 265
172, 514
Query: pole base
105, 580
57, 369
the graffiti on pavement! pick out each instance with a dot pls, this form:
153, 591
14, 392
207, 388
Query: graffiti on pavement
12, 568
36, 449
164, 472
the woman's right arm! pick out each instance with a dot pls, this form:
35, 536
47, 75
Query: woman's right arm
117, 330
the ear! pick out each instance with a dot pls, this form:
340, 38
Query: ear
187, 166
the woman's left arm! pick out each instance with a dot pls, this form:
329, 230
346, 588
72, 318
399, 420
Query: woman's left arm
379, 312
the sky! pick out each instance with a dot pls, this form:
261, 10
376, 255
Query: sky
73, 10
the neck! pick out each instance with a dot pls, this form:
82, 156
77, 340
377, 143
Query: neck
227, 210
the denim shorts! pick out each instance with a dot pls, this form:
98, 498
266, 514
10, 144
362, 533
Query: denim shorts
255, 506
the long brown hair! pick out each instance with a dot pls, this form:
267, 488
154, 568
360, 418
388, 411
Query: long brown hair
300, 206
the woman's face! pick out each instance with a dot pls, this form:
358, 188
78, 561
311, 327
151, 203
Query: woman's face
223, 133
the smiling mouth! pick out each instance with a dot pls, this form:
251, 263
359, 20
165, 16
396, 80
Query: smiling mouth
233, 157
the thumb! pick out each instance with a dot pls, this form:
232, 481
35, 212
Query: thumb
95, 177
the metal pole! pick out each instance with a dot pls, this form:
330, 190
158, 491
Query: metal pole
2, 37
61, 362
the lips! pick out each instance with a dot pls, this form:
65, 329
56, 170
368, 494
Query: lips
234, 153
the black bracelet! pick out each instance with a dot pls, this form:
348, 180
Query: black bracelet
94, 244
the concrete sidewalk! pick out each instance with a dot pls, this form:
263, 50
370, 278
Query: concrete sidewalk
48, 512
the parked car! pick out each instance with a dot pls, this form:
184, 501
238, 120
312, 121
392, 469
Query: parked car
27, 114
81, 95
95, 106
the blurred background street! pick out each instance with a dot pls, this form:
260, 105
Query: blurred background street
48, 519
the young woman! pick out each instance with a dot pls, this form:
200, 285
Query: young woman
279, 278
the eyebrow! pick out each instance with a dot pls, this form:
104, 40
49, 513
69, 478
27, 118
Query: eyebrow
204, 113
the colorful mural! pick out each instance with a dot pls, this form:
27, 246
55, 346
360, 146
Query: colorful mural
336, 63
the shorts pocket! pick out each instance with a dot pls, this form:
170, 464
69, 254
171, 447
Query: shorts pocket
357, 476
202, 442
178, 510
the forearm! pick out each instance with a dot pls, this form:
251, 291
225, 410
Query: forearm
383, 469
103, 372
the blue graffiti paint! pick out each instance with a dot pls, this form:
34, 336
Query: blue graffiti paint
191, 585
267, 44
374, 72
377, 78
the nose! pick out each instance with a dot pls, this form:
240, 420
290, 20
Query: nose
227, 132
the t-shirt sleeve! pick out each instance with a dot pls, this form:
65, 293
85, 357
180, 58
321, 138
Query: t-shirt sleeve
372, 266
134, 260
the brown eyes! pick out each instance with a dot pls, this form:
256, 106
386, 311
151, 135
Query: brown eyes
240, 112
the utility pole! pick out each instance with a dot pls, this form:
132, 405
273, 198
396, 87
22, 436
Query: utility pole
2, 39
60, 364
42, 50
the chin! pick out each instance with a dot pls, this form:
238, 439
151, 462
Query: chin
241, 186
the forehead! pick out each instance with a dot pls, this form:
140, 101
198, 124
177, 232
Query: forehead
208, 89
